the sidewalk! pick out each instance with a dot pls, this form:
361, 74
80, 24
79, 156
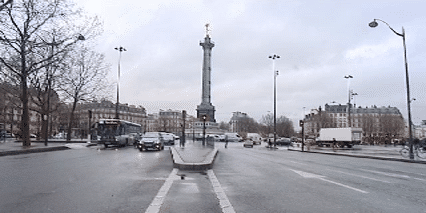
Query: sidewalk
12, 147
194, 156
364, 151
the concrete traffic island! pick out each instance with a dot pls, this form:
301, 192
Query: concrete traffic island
13, 147
193, 157
16, 148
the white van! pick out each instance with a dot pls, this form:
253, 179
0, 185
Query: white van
233, 137
255, 137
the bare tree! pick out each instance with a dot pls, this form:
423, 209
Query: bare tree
284, 126
164, 124
322, 120
267, 123
391, 126
368, 127
23, 25
247, 125
83, 77
223, 125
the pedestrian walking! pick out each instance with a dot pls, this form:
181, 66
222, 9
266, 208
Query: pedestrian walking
226, 141
334, 144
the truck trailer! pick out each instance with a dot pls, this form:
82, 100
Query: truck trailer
341, 136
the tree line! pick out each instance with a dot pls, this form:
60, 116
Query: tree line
244, 125
46, 53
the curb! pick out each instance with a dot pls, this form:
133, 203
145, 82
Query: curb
364, 156
205, 165
36, 150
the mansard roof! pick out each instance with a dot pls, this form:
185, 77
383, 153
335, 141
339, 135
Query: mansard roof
373, 109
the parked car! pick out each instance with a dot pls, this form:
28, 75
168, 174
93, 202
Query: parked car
7, 135
169, 138
284, 141
151, 140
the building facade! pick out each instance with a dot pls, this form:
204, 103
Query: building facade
101, 110
375, 121
11, 110
420, 130
237, 121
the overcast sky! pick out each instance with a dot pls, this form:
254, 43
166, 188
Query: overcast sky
319, 43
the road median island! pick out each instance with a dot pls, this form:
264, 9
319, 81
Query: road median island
181, 161
33, 150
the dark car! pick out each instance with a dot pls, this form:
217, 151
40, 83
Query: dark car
151, 140
284, 141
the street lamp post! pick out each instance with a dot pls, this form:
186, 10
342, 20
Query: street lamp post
275, 97
375, 24
204, 129
349, 99
353, 96
120, 49
49, 76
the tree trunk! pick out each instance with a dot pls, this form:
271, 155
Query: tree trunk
71, 120
25, 121
44, 126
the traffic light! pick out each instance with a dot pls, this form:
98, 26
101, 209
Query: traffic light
301, 122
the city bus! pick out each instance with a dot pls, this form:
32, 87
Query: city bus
117, 132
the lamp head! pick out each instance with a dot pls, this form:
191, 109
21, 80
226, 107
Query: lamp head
81, 37
373, 24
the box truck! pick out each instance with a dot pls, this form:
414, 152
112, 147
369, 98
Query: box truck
341, 136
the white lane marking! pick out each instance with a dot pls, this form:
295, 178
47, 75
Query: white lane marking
307, 174
220, 194
155, 205
388, 174
349, 187
310, 175
419, 179
298, 163
360, 176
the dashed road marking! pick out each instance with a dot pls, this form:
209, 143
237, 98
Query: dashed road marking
388, 174
155, 205
384, 181
220, 194
320, 177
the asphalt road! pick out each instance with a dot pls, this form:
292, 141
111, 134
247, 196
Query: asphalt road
253, 179
82, 180
262, 180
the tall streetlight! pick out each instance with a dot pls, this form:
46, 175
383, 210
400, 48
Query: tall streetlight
275, 97
204, 129
349, 99
375, 24
120, 49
